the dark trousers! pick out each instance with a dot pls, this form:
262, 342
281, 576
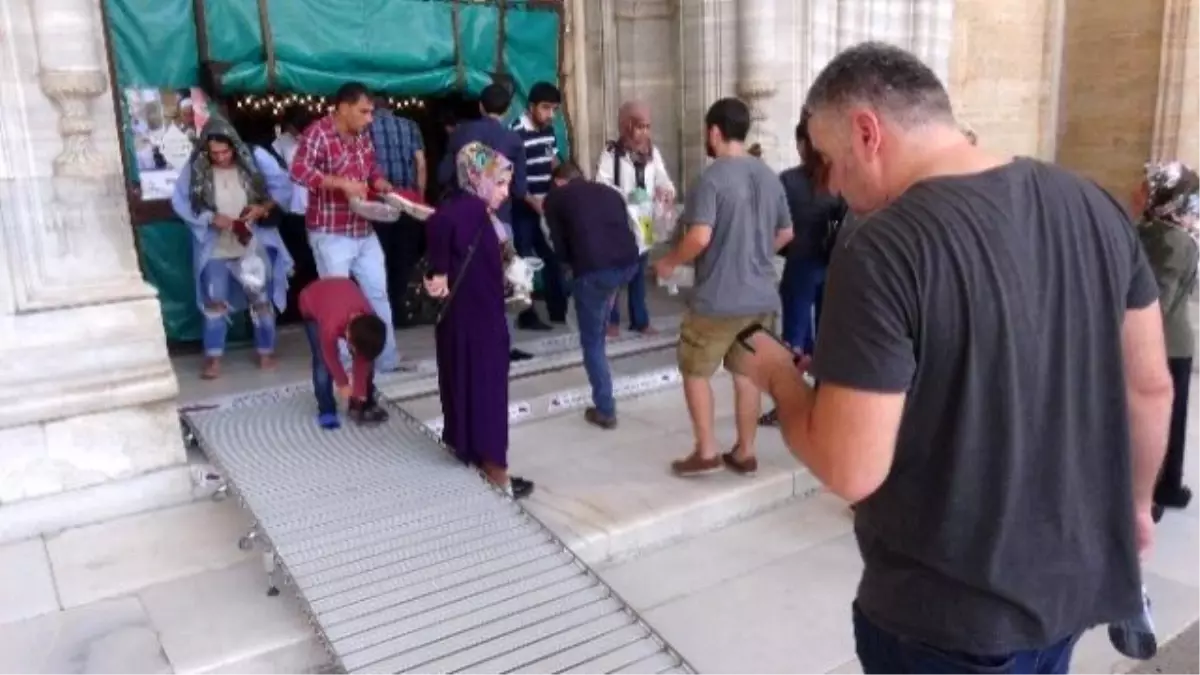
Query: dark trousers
1170, 479
882, 652
322, 380
639, 315
295, 238
529, 240
800, 293
403, 244
594, 294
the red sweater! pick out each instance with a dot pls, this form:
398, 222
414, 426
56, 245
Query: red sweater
332, 303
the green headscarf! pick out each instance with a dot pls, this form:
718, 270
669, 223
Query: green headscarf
202, 191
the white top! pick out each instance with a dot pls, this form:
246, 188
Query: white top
286, 145
656, 177
231, 200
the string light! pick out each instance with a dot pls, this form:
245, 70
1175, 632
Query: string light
276, 104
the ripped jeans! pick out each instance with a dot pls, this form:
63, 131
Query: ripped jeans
216, 280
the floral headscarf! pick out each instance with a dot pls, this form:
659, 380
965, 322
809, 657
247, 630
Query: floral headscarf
201, 190
481, 170
1173, 196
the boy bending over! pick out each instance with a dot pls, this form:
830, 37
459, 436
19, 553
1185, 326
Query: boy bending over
335, 309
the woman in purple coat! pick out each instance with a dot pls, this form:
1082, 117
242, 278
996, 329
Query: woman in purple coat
466, 244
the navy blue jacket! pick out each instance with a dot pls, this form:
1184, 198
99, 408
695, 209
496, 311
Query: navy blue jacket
497, 136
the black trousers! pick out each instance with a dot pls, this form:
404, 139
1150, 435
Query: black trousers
1170, 479
295, 237
403, 244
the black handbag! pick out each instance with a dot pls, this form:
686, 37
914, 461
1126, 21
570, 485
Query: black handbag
418, 307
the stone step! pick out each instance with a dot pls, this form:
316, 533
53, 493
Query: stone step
608, 494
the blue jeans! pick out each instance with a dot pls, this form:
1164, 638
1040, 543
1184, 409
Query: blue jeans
216, 280
639, 316
361, 257
322, 380
800, 291
529, 240
882, 652
594, 294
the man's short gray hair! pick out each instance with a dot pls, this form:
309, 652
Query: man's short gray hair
887, 78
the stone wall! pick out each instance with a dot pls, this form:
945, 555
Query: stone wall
1110, 87
1001, 73
88, 427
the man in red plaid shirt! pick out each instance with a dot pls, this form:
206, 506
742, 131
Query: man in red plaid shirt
335, 160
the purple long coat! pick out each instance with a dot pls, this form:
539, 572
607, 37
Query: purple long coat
472, 338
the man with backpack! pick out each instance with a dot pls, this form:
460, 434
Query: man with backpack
633, 166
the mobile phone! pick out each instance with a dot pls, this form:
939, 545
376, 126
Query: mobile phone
743, 338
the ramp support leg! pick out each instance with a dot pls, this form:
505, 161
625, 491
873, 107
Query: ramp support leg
272, 573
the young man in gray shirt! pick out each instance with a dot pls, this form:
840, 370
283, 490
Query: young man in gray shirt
736, 218
993, 390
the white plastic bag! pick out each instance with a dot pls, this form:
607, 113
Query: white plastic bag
251, 269
519, 274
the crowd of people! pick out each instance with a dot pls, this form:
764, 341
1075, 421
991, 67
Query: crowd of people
1000, 366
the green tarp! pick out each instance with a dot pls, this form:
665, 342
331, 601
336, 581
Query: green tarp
403, 47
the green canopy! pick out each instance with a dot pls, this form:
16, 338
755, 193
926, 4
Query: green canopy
402, 47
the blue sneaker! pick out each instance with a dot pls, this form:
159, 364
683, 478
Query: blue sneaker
329, 421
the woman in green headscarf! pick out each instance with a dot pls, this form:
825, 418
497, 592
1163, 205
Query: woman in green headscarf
1168, 201
226, 181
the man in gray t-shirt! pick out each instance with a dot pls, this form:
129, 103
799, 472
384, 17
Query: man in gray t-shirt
993, 388
735, 219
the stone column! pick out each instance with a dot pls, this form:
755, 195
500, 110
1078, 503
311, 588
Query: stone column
1176, 118
757, 76
88, 428
707, 57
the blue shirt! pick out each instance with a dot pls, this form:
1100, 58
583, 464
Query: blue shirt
396, 140
541, 149
494, 134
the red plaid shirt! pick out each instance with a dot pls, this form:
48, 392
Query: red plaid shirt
323, 152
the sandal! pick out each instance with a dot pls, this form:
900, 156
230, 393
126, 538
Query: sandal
742, 467
695, 465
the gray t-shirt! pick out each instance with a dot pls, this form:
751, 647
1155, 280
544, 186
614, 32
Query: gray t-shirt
743, 202
995, 301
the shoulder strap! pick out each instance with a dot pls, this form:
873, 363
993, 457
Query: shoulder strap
615, 148
270, 148
462, 271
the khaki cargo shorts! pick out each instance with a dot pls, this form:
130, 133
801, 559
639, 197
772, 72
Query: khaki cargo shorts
705, 341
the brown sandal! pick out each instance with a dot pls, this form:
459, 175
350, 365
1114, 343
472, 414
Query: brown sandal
695, 465
742, 467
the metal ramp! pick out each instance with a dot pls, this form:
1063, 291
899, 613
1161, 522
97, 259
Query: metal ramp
405, 560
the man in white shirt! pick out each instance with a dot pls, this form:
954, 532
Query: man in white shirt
633, 166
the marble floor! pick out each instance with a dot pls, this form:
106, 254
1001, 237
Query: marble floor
738, 573
772, 594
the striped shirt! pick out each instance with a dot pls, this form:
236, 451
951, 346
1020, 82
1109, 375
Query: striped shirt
541, 155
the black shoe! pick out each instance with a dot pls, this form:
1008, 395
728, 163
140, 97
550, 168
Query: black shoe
533, 323
520, 487
1156, 512
560, 320
599, 419
1177, 498
769, 419
518, 355
370, 414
